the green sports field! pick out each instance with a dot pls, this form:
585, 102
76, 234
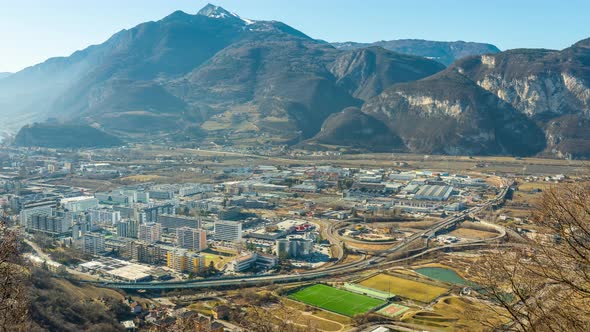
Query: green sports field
336, 300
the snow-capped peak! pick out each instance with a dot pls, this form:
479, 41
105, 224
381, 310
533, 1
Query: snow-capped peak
213, 11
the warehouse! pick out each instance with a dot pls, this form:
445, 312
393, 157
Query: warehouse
434, 193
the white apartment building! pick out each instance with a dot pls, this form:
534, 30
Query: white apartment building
230, 231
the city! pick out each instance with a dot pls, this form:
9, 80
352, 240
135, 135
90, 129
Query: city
143, 226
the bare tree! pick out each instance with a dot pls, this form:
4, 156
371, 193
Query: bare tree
13, 299
277, 318
544, 284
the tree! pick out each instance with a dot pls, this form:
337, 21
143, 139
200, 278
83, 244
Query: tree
212, 269
281, 318
13, 298
544, 284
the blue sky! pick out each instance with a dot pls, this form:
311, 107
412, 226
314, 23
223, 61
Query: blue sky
34, 30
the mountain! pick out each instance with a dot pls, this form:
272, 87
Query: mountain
214, 74
3, 75
218, 77
55, 135
450, 114
443, 52
366, 72
356, 129
518, 102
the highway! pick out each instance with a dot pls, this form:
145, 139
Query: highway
336, 270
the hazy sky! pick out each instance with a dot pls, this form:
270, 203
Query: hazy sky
34, 30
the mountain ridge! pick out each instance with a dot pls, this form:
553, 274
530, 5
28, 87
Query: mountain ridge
445, 52
218, 72
216, 76
545, 95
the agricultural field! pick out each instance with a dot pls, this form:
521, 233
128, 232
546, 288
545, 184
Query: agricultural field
406, 288
336, 300
472, 234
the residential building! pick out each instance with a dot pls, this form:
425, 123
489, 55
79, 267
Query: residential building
229, 213
173, 222
192, 239
184, 261
123, 228
230, 231
152, 213
48, 224
150, 232
94, 243
27, 213
104, 216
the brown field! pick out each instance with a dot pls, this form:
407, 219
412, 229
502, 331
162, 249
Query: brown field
406, 288
423, 224
139, 178
323, 320
473, 234
454, 314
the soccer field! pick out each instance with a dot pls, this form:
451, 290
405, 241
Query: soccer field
336, 300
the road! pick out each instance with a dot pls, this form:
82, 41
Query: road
47, 258
348, 268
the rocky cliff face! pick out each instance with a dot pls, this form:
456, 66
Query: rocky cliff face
549, 87
538, 83
450, 114
367, 72
519, 102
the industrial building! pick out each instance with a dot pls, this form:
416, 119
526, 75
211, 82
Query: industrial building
434, 193
294, 246
80, 203
118, 269
248, 261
